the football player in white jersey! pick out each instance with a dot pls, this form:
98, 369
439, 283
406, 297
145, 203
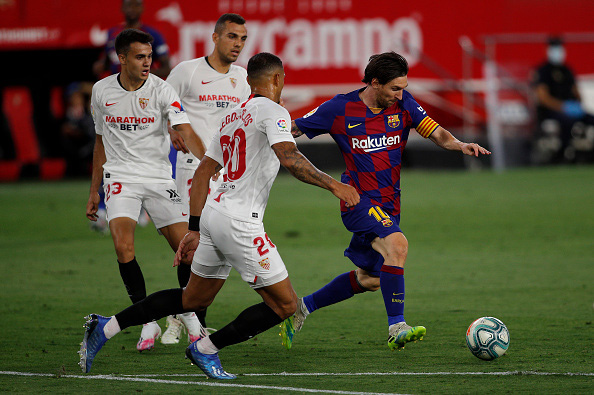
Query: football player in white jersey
131, 110
207, 86
252, 140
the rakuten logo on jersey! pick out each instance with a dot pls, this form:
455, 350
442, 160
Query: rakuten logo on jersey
368, 144
129, 123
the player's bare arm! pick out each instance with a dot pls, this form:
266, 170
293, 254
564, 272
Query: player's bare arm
446, 140
302, 169
207, 168
191, 139
178, 141
96, 177
295, 130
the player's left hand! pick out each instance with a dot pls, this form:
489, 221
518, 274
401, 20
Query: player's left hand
474, 149
216, 176
187, 248
178, 141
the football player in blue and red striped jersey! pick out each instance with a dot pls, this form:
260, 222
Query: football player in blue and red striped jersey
371, 127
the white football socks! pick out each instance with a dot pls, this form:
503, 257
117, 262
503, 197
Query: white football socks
112, 328
205, 346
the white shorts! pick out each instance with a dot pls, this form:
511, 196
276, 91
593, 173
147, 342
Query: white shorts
183, 182
161, 201
226, 242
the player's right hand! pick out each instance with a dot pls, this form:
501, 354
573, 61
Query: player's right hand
93, 206
347, 193
187, 248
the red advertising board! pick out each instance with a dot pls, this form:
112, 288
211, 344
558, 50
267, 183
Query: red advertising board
320, 41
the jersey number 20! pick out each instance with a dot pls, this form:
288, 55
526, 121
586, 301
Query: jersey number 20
234, 155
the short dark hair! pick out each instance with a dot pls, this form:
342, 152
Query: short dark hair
555, 41
385, 67
129, 36
233, 18
263, 63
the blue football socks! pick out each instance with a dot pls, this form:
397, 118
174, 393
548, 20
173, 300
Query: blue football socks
341, 288
392, 286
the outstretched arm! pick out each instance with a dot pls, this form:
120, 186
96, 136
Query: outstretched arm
446, 140
302, 169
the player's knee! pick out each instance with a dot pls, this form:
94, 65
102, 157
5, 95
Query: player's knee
367, 282
192, 303
124, 250
285, 310
397, 253
195, 305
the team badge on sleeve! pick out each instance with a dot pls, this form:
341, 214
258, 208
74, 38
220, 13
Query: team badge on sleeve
312, 112
393, 121
282, 125
143, 102
179, 107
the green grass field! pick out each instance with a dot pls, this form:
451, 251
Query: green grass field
518, 246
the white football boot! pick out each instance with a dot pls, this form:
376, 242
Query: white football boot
150, 332
173, 332
192, 325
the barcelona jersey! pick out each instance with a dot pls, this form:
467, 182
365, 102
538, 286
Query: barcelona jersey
371, 142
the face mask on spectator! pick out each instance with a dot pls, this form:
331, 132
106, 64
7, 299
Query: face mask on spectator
556, 55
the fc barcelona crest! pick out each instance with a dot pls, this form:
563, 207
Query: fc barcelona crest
393, 121
233, 82
143, 102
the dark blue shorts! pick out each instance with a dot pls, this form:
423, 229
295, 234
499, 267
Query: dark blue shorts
367, 221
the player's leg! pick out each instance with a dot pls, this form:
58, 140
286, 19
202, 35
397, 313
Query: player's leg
246, 247
198, 294
279, 303
124, 202
166, 206
183, 183
394, 249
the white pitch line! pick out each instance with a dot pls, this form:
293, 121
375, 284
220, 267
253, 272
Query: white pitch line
204, 383
507, 373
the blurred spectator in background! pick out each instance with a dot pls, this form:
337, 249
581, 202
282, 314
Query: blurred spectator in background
78, 132
108, 63
558, 102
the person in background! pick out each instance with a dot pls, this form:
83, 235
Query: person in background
557, 94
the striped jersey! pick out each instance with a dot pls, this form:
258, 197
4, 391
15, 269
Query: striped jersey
206, 94
133, 125
243, 147
371, 142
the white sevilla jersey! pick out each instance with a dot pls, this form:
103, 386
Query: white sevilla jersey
243, 148
206, 94
134, 128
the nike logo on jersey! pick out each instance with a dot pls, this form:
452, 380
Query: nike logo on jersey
353, 126
184, 214
110, 104
207, 82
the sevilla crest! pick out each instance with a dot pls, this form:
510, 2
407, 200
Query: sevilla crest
233, 82
143, 102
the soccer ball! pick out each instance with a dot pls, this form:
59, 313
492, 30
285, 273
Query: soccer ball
487, 338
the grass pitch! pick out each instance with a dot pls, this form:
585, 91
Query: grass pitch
517, 246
